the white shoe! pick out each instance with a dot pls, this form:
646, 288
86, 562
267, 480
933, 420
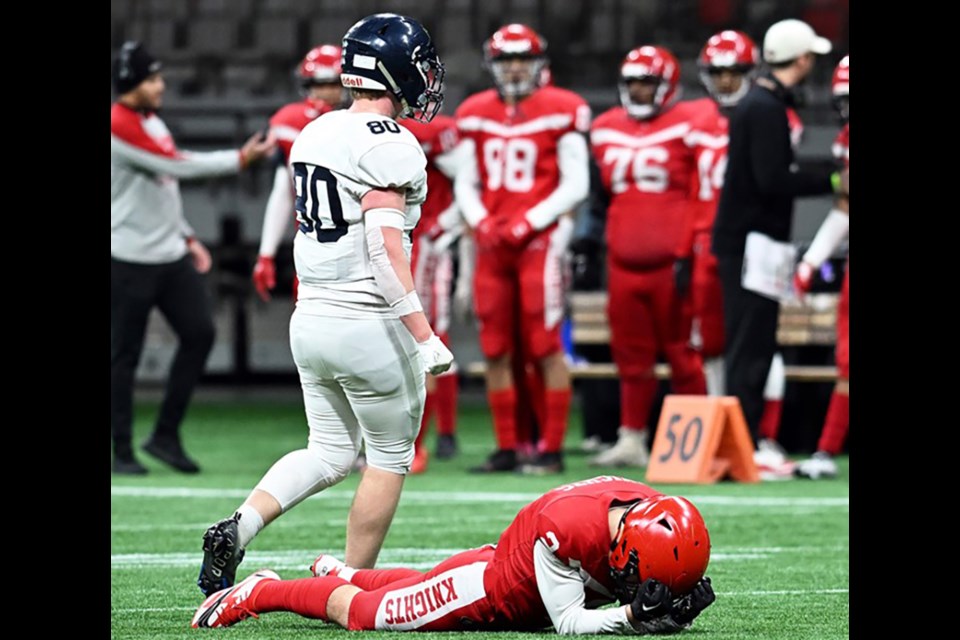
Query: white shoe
594, 444
771, 461
229, 606
326, 565
629, 451
820, 465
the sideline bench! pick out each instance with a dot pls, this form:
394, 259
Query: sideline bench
810, 323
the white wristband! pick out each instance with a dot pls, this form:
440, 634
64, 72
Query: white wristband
408, 304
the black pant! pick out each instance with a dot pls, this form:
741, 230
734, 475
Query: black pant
750, 324
178, 290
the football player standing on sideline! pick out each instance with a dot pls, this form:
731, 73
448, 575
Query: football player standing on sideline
528, 165
359, 337
832, 232
319, 76
760, 185
155, 258
432, 266
645, 154
566, 554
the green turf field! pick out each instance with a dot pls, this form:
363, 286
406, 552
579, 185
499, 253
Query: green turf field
779, 560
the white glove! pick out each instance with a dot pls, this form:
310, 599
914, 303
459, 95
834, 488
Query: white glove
436, 357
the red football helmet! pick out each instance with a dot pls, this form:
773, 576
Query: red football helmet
515, 41
321, 65
840, 87
733, 51
650, 62
663, 538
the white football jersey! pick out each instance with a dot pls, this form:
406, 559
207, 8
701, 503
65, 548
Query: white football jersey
335, 161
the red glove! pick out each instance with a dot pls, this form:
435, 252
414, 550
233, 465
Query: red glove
486, 234
265, 276
803, 278
517, 233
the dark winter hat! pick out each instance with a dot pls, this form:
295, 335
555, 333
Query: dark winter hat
133, 66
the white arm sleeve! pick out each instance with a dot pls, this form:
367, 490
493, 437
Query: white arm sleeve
466, 186
383, 272
450, 162
573, 159
279, 211
831, 233
561, 589
189, 164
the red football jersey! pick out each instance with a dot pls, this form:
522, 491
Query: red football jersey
516, 147
289, 121
710, 138
572, 521
647, 167
436, 137
841, 146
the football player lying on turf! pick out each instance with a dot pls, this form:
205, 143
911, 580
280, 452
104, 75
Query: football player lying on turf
574, 549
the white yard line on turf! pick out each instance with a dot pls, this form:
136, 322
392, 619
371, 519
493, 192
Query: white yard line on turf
793, 592
453, 497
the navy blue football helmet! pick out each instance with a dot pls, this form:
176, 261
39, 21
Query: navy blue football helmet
390, 52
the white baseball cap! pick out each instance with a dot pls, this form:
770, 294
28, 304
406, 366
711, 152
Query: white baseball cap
789, 39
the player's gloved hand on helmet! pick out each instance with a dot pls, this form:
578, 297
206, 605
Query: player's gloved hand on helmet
688, 606
436, 357
486, 234
653, 600
518, 232
265, 276
803, 277
682, 275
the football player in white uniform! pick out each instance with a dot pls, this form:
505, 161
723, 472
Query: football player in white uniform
359, 337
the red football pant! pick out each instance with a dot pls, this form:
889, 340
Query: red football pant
432, 279
438, 600
843, 327
706, 297
647, 318
534, 277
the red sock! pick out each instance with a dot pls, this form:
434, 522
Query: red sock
425, 422
557, 412
524, 413
306, 596
770, 420
537, 395
448, 387
503, 406
636, 399
372, 579
836, 425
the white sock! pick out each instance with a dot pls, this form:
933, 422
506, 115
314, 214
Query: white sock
713, 371
250, 524
347, 573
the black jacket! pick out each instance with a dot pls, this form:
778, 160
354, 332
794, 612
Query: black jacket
759, 185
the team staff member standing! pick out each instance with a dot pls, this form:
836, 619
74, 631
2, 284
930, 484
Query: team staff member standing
760, 185
155, 260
